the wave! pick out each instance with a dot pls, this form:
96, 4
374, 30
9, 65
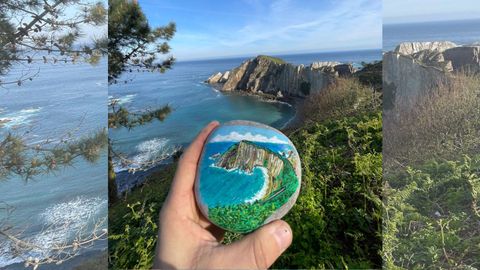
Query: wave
121, 100
261, 193
147, 152
22, 117
60, 223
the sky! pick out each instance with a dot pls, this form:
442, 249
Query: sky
406, 11
219, 28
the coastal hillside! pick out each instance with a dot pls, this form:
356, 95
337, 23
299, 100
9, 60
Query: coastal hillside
266, 74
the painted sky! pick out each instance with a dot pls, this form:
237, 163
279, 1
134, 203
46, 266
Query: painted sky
218, 28
250, 133
406, 11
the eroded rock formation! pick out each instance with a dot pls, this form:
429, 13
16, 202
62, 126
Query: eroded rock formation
272, 75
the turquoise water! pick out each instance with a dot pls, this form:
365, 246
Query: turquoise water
195, 104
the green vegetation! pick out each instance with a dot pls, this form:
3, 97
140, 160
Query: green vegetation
432, 187
273, 59
246, 217
337, 219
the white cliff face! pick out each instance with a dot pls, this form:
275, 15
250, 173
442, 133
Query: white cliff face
413, 70
262, 74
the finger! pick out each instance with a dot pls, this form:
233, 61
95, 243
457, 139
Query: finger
187, 166
260, 249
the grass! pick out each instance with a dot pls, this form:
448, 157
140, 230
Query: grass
273, 59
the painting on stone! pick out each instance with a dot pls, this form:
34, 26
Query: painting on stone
249, 174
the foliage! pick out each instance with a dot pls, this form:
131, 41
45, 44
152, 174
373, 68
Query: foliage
432, 177
19, 158
432, 215
133, 46
336, 221
371, 74
345, 97
132, 43
443, 125
276, 60
47, 31
127, 220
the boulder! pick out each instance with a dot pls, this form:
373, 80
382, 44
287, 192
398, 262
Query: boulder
465, 58
224, 77
214, 78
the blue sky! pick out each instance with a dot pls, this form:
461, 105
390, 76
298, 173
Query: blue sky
404, 11
215, 29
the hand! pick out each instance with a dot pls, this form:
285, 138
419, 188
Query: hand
187, 240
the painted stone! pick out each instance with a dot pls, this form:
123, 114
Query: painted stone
248, 175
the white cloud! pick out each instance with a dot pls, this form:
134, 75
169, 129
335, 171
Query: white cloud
236, 137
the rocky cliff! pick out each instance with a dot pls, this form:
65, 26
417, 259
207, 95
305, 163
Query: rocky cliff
271, 75
414, 69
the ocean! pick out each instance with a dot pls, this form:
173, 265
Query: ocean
461, 32
195, 104
62, 98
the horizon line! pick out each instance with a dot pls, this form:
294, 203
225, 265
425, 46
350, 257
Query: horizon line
274, 54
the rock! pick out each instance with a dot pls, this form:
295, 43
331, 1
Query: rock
433, 58
409, 48
279, 94
270, 75
334, 67
224, 77
249, 174
214, 78
465, 58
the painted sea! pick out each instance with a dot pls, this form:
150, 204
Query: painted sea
461, 32
62, 98
195, 104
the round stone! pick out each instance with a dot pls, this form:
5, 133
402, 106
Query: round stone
249, 174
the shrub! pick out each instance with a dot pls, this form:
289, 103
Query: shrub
336, 221
443, 125
346, 97
432, 215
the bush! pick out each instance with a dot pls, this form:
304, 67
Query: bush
336, 221
346, 97
443, 125
432, 215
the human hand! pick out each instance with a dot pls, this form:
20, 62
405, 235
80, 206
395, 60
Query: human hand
187, 240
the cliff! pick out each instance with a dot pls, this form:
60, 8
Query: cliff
265, 74
414, 69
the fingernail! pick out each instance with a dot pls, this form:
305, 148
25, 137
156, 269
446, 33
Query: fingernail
283, 236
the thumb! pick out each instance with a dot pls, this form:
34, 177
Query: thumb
260, 249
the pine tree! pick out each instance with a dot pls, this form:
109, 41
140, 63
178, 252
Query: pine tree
133, 46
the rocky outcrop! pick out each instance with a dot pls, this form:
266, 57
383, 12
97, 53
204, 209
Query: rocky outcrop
414, 69
413, 47
246, 156
273, 76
